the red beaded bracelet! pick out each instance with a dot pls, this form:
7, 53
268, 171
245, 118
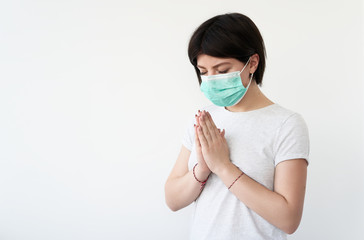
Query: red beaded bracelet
236, 179
202, 183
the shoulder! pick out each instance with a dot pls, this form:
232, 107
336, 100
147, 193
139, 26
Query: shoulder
285, 116
283, 112
292, 138
290, 127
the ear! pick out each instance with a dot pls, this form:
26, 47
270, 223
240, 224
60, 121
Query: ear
254, 62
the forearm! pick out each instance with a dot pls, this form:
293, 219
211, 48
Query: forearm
182, 191
268, 204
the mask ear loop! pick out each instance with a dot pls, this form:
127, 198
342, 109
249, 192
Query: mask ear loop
246, 64
251, 77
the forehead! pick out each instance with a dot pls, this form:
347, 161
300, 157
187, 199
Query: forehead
205, 60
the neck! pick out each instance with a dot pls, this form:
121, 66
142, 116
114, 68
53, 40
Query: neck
253, 99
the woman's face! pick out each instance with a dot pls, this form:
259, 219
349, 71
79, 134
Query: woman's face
209, 65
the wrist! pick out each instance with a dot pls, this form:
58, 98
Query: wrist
202, 173
202, 182
221, 169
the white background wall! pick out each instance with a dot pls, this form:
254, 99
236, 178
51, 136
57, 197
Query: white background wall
95, 95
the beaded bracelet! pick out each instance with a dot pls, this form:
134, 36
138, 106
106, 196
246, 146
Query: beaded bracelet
236, 179
202, 183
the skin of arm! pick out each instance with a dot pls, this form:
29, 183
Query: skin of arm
283, 206
181, 188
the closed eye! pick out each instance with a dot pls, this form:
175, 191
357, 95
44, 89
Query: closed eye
220, 72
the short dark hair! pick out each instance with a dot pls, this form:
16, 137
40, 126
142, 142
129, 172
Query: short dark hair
230, 35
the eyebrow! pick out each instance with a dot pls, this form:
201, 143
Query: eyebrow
215, 65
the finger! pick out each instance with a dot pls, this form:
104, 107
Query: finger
202, 138
205, 130
222, 133
212, 128
198, 117
197, 141
213, 124
212, 121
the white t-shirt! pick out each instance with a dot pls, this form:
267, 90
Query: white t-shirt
258, 140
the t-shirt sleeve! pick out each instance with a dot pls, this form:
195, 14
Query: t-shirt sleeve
189, 134
292, 140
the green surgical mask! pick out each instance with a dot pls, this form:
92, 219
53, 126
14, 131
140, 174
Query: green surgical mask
224, 89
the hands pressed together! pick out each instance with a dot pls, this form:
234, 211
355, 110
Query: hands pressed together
211, 145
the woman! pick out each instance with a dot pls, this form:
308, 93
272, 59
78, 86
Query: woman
248, 180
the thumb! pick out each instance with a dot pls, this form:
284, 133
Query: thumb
222, 133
